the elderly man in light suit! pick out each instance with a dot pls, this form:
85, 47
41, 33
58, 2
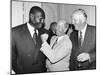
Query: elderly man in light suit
59, 50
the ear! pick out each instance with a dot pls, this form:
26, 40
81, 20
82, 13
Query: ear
31, 16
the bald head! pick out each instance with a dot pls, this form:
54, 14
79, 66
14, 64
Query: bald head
62, 23
61, 27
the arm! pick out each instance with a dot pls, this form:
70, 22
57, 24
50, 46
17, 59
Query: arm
55, 55
13, 52
92, 55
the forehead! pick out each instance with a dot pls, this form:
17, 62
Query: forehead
77, 15
61, 24
38, 13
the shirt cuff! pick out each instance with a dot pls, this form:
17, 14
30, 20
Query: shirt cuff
89, 58
43, 44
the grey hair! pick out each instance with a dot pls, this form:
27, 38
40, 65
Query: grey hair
82, 11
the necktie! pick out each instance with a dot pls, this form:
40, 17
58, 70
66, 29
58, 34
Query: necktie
55, 43
35, 37
80, 39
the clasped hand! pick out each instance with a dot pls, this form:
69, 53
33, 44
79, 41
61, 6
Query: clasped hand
44, 37
83, 57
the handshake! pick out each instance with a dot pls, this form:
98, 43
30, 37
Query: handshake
44, 37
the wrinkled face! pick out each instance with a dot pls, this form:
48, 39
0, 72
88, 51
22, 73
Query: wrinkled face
36, 20
60, 30
78, 20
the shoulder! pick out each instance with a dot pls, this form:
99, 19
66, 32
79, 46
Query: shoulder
18, 28
66, 37
53, 38
43, 30
67, 42
91, 28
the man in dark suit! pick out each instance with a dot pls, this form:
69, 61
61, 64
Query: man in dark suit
26, 43
52, 31
83, 55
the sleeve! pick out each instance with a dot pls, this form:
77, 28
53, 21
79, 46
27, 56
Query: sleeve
57, 54
92, 52
92, 55
13, 53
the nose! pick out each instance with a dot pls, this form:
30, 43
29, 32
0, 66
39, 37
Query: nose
41, 20
73, 22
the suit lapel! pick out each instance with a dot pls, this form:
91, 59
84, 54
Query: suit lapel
58, 43
85, 38
26, 32
74, 39
34, 48
28, 35
53, 41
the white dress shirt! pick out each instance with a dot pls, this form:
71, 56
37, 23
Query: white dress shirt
83, 33
31, 29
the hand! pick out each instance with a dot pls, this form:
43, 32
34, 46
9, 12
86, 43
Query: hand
13, 72
83, 57
44, 37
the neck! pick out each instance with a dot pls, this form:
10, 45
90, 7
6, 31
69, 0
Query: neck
33, 25
61, 35
83, 27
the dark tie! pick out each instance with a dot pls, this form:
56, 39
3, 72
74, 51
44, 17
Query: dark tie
55, 42
35, 37
80, 39
79, 65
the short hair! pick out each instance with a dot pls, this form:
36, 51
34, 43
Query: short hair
53, 23
82, 11
71, 26
35, 9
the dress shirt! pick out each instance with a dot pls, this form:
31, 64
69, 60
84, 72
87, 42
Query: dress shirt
83, 33
31, 29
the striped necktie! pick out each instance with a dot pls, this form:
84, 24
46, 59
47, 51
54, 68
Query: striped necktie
35, 37
80, 39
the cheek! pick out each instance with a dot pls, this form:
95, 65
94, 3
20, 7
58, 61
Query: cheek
76, 22
37, 19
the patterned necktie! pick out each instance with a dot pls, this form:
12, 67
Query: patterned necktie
35, 37
80, 39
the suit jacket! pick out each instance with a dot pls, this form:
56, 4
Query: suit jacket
26, 56
59, 55
89, 46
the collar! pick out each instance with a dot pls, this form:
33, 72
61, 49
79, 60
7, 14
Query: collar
83, 31
59, 38
31, 29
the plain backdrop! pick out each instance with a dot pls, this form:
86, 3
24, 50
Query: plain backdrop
53, 11
5, 25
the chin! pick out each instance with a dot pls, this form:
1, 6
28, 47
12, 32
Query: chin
77, 28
